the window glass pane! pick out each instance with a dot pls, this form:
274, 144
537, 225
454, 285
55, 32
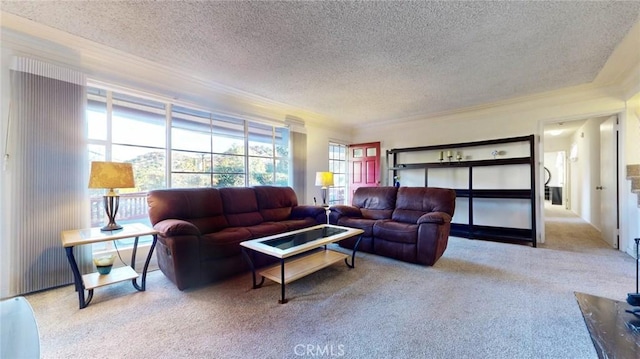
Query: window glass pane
228, 136
148, 166
138, 122
282, 172
228, 180
190, 162
186, 180
96, 152
97, 119
260, 171
228, 164
260, 140
190, 130
338, 165
282, 141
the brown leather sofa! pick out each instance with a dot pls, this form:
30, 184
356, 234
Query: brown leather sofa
411, 224
201, 228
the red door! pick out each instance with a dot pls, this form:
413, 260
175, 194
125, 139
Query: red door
364, 165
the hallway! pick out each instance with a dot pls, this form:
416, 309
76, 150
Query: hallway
566, 231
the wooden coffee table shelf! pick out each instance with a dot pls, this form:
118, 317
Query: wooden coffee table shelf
300, 267
300, 252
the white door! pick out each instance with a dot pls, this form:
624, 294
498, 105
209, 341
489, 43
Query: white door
609, 181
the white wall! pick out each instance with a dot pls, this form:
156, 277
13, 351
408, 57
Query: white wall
585, 172
630, 213
556, 169
508, 119
318, 138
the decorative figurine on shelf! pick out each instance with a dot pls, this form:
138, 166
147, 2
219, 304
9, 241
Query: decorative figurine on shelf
396, 181
459, 156
441, 158
495, 153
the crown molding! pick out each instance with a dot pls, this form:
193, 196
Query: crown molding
620, 77
518, 104
105, 64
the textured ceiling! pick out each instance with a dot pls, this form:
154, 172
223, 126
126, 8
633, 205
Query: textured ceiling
360, 61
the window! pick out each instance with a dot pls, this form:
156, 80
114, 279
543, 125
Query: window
338, 165
122, 128
170, 145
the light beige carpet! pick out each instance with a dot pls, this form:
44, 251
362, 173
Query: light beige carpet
481, 300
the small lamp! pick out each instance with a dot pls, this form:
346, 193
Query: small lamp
111, 175
324, 180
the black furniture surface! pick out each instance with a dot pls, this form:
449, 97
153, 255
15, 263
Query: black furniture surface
614, 331
472, 229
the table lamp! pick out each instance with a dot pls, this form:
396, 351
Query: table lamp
111, 175
324, 180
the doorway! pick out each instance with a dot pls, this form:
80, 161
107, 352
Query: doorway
587, 152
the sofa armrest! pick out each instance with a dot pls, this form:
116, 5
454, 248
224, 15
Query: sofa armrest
347, 211
176, 227
435, 217
319, 214
304, 211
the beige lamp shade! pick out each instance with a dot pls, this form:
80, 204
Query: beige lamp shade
111, 175
324, 179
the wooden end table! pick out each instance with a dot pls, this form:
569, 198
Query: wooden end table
90, 281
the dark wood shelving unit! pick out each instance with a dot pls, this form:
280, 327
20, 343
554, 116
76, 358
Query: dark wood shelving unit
471, 230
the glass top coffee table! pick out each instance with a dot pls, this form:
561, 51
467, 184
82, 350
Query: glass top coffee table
298, 250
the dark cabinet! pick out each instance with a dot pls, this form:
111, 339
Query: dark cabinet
495, 188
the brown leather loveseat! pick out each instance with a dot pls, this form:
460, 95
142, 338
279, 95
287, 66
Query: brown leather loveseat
201, 228
411, 224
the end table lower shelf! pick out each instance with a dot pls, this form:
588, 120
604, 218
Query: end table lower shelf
121, 274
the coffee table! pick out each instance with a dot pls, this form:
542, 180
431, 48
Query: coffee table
299, 250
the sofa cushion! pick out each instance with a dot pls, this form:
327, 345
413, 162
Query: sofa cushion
293, 224
395, 231
275, 203
201, 206
362, 223
240, 206
266, 229
375, 202
225, 243
413, 202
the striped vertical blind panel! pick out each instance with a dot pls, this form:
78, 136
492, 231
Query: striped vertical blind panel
47, 173
299, 165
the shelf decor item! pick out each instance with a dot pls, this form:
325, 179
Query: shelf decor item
104, 263
110, 175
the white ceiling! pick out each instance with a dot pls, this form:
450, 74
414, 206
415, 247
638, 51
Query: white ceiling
359, 61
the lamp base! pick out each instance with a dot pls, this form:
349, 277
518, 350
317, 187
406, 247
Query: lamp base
111, 204
111, 227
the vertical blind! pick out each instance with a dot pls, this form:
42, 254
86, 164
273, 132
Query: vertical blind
46, 174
